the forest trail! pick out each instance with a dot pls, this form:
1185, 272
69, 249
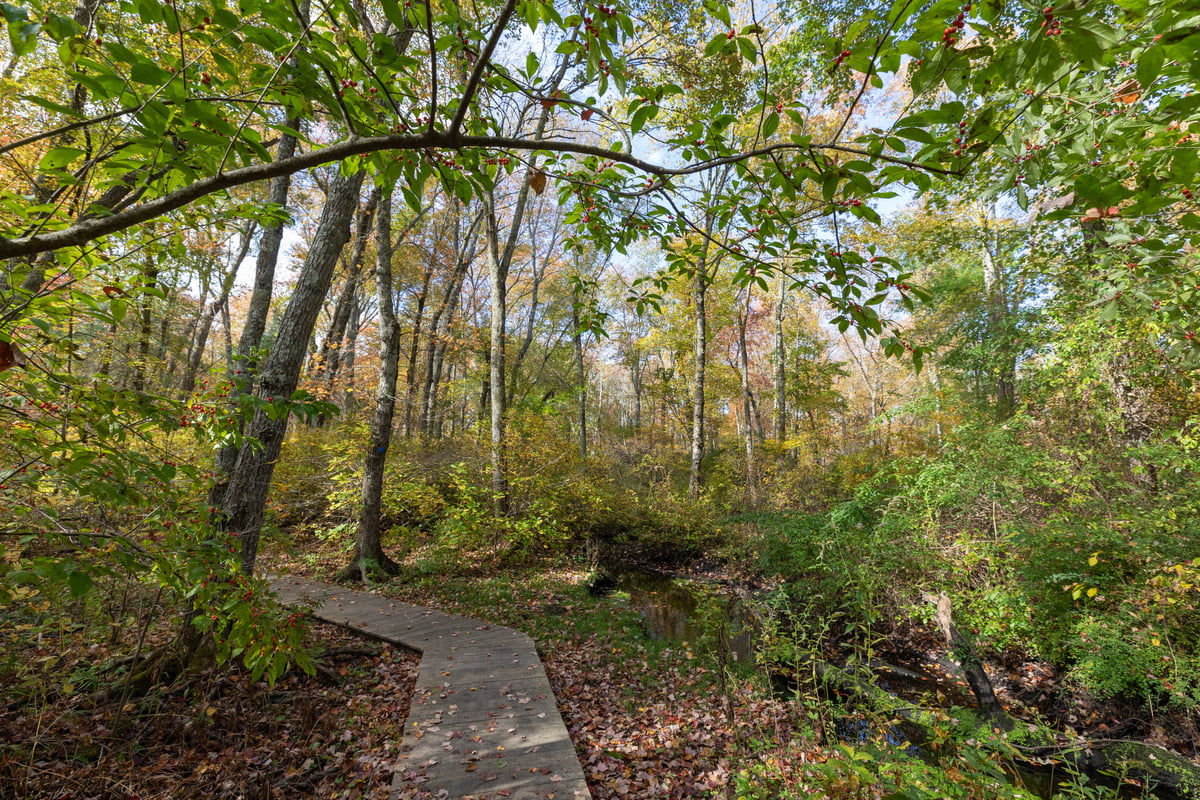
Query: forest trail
484, 723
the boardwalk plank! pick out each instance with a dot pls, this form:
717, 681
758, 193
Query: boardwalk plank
483, 723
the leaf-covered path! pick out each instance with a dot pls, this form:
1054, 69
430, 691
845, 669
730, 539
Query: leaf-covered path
483, 721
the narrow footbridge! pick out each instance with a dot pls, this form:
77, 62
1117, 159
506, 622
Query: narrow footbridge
483, 723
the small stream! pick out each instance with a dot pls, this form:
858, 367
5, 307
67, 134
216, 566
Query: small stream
703, 616
674, 612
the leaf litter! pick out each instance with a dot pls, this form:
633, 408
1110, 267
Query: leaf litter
218, 735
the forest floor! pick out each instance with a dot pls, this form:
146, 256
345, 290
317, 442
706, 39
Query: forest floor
217, 735
650, 719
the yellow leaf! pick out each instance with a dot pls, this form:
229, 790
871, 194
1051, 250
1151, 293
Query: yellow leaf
1092, 591
1094, 560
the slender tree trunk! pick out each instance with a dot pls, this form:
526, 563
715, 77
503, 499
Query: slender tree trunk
700, 357
368, 549
410, 378
245, 498
146, 320
498, 276
329, 354
534, 294
260, 301
204, 329
581, 377
780, 362
635, 379
748, 434
348, 357
994, 286
227, 335
436, 345
499, 263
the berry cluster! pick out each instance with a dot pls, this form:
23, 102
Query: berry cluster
1050, 22
950, 35
958, 140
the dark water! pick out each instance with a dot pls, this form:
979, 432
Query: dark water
701, 618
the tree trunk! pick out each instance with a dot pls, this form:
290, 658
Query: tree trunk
499, 263
146, 319
994, 287
204, 329
242, 506
498, 277
466, 248
368, 550
260, 303
349, 354
581, 376
748, 433
963, 651
436, 346
780, 359
329, 355
700, 357
534, 294
410, 378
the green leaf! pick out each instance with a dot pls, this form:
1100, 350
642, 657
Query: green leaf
1149, 66
392, 10
60, 157
829, 186
23, 36
747, 49
640, 117
13, 14
149, 74
50, 105
770, 125
80, 583
715, 45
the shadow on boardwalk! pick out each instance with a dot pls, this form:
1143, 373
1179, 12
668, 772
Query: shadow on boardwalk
483, 722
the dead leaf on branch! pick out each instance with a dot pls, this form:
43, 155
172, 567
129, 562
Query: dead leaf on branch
1093, 214
11, 356
1128, 92
537, 181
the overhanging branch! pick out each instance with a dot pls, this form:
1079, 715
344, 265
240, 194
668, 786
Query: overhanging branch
87, 230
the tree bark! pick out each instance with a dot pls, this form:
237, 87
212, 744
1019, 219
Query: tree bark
748, 424
996, 289
700, 358
146, 319
368, 549
348, 358
243, 504
410, 378
780, 363
964, 653
581, 377
329, 355
498, 278
260, 303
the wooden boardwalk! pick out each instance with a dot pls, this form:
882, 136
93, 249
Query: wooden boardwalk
483, 724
